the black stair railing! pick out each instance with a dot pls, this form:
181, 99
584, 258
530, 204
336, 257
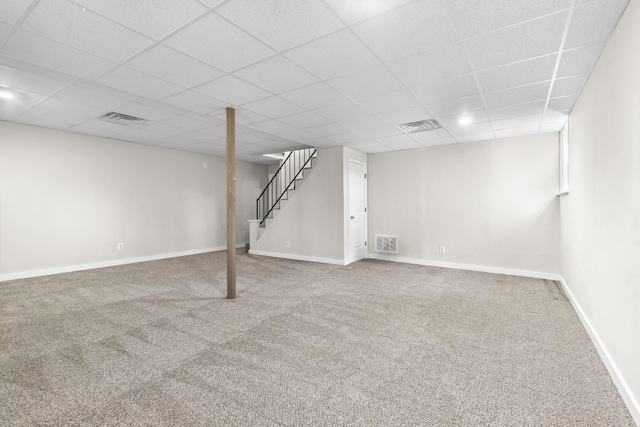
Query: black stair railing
284, 180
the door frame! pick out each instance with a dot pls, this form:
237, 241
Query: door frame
348, 258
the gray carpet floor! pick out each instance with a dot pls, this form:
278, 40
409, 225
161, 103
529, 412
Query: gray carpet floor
371, 344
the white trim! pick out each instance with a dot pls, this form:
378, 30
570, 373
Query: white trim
297, 257
482, 268
111, 263
623, 388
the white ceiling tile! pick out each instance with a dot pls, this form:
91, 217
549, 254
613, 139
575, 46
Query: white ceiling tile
364, 145
315, 96
579, 61
594, 22
522, 122
517, 95
175, 67
133, 81
568, 85
473, 137
390, 101
333, 55
164, 128
205, 135
364, 123
514, 132
476, 127
100, 128
67, 23
248, 138
194, 101
140, 135
273, 107
21, 79
405, 115
344, 111
476, 18
271, 126
304, 120
48, 53
353, 11
297, 135
528, 109
447, 140
452, 107
350, 138
563, 103
233, 90
5, 30
153, 18
395, 139
446, 89
72, 108
381, 132
330, 129
474, 117
365, 83
186, 122
219, 43
282, 24
94, 97
435, 64
375, 149
137, 109
52, 115
430, 135
409, 29
11, 10
524, 41
22, 102
44, 120
276, 75
410, 145
518, 74
246, 117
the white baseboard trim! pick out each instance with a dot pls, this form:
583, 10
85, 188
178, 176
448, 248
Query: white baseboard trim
616, 376
102, 264
297, 257
482, 268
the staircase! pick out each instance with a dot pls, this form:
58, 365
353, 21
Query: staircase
291, 171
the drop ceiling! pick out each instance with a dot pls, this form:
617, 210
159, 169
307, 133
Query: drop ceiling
316, 73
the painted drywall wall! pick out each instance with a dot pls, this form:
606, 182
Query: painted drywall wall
311, 220
600, 217
489, 203
68, 200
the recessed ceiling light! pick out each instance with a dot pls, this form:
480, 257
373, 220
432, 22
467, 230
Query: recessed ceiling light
5, 94
465, 120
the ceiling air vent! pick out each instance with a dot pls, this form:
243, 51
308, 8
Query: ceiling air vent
123, 119
388, 244
420, 126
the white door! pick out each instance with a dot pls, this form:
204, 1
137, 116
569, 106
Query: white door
357, 210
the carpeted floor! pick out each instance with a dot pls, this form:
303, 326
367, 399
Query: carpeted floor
370, 344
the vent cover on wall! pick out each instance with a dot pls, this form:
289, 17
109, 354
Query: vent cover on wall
123, 119
388, 244
420, 126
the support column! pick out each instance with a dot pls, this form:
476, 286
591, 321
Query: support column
231, 203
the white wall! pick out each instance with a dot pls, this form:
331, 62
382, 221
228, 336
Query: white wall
312, 218
491, 204
601, 213
66, 200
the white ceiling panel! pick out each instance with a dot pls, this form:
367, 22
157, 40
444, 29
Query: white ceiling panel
527, 40
579, 61
518, 74
73, 108
305, 119
471, 128
593, 22
101, 128
364, 123
519, 110
5, 30
452, 107
315, 96
140, 135
194, 101
146, 112
334, 55
20, 79
11, 10
390, 101
430, 135
446, 89
562, 104
164, 129
366, 83
515, 132
186, 122
518, 95
328, 130
427, 24
381, 132
409, 145
217, 42
94, 97
51, 54
233, 90
175, 67
475, 137
45, 120
435, 64
274, 107
357, 10
475, 18
276, 75
23, 101
344, 111
282, 24
141, 84
568, 85
153, 18
405, 116
438, 141
68, 23
473, 117
517, 122
272, 127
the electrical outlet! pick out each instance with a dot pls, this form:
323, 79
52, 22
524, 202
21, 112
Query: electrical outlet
441, 249
120, 246
287, 244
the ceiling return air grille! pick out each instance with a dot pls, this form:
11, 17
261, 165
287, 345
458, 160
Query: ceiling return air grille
421, 126
387, 244
123, 119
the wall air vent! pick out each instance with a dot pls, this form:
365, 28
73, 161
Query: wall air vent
123, 119
388, 244
420, 126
